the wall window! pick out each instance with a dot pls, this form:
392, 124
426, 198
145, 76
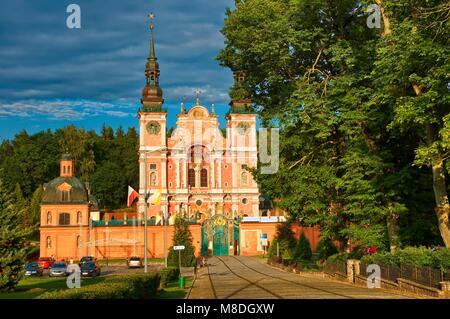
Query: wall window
64, 219
65, 196
244, 178
245, 201
49, 218
153, 179
49, 242
152, 166
191, 177
198, 202
204, 178
64, 169
79, 218
79, 241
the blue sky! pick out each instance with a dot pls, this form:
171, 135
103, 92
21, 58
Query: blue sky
52, 76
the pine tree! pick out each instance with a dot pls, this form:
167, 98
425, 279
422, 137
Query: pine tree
182, 237
303, 249
13, 241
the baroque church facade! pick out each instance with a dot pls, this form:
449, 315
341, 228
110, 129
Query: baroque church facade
200, 170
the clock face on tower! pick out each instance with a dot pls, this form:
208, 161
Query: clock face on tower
153, 127
243, 128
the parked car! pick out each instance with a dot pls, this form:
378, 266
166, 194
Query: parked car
90, 268
58, 269
135, 262
33, 269
46, 262
87, 259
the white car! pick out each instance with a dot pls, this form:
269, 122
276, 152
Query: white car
134, 262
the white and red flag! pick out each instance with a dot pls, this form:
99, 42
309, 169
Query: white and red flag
132, 196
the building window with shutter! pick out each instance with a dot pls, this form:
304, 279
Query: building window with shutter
204, 178
64, 219
191, 177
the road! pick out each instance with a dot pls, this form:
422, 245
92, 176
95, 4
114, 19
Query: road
251, 278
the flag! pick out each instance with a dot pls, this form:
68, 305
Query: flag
155, 199
132, 196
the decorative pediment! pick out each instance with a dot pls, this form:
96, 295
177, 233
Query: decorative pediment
64, 187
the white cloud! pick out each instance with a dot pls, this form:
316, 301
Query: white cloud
66, 109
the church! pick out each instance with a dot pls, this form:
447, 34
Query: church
200, 172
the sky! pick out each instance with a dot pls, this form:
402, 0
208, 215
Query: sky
52, 76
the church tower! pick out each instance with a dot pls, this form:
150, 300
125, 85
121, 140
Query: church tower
242, 149
152, 124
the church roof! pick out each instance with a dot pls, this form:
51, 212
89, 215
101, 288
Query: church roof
78, 191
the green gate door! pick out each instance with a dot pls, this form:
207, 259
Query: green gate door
215, 233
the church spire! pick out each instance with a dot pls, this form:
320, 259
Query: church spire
152, 93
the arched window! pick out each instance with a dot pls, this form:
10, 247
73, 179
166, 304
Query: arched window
79, 218
64, 169
79, 241
64, 219
204, 178
64, 196
191, 177
49, 218
68, 169
49, 242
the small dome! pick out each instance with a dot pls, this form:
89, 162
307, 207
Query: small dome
67, 157
149, 92
78, 192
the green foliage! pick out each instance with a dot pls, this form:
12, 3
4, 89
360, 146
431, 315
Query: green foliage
326, 248
415, 256
109, 161
182, 236
303, 248
167, 275
14, 247
135, 286
350, 123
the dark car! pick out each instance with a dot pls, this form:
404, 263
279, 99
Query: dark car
46, 262
58, 269
86, 259
90, 268
33, 269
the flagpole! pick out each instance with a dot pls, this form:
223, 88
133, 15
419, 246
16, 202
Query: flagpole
145, 215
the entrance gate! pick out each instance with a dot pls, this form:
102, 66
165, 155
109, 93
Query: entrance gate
218, 234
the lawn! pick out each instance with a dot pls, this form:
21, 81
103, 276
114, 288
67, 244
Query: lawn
30, 288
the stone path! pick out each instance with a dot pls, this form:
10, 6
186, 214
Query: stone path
250, 278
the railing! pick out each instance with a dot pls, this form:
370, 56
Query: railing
130, 222
427, 276
335, 267
153, 109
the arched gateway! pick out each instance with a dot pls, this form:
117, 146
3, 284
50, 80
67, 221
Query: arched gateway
220, 236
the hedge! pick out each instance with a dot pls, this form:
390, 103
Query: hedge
134, 286
167, 275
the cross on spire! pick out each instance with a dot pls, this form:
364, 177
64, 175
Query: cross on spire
197, 93
152, 17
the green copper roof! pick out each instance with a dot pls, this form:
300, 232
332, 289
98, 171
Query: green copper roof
78, 194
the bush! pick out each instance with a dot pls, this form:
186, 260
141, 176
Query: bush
326, 248
383, 258
272, 252
135, 286
167, 275
303, 248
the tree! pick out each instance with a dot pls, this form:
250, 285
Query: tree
35, 208
14, 247
182, 236
303, 249
326, 248
109, 185
412, 75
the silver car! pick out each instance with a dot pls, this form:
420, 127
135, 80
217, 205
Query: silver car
58, 269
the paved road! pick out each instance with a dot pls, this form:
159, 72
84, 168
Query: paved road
251, 278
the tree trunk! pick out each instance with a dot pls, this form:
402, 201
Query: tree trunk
393, 228
440, 192
386, 21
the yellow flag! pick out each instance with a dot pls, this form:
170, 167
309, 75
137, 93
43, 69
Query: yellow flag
155, 199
